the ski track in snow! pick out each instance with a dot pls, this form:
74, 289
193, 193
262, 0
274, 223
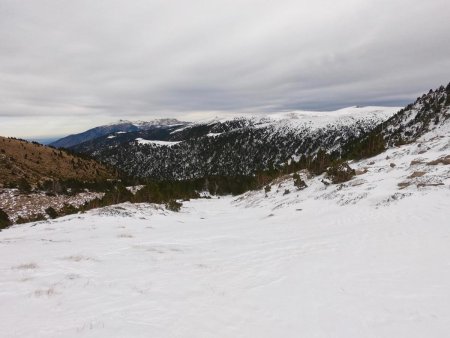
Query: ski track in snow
367, 258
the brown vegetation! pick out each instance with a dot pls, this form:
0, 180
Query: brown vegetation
445, 160
417, 174
416, 162
23, 162
340, 172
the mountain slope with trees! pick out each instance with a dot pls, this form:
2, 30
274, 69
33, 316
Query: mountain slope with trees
430, 111
235, 147
119, 127
27, 164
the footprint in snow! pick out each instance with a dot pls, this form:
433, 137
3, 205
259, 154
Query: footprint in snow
125, 236
79, 258
28, 266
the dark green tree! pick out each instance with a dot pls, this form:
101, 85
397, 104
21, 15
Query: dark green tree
51, 212
4, 220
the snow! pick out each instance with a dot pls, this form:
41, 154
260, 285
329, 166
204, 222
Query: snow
300, 119
115, 134
168, 122
157, 143
386, 112
225, 271
147, 124
134, 189
367, 258
341, 117
213, 134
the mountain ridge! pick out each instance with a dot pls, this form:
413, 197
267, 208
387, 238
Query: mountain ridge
231, 146
119, 126
242, 146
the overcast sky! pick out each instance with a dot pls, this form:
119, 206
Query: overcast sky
66, 66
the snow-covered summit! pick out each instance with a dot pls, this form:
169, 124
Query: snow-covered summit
312, 118
150, 123
325, 117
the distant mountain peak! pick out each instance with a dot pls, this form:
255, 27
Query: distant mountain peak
114, 127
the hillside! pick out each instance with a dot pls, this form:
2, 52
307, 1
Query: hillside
428, 112
37, 163
366, 258
245, 145
230, 147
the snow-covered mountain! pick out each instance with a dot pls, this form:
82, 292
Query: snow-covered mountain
118, 127
365, 258
235, 146
242, 146
428, 112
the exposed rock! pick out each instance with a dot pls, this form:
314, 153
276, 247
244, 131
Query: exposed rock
417, 174
361, 171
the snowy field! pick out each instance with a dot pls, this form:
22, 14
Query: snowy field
368, 258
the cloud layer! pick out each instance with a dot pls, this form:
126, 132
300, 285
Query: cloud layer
67, 65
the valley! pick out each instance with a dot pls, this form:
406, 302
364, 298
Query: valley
346, 239
361, 258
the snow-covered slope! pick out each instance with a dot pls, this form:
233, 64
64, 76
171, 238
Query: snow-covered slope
300, 121
342, 116
367, 258
429, 111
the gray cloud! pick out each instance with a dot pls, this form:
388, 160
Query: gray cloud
68, 65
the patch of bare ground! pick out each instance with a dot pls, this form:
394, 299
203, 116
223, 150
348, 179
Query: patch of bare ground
403, 185
417, 174
445, 160
417, 161
17, 204
420, 185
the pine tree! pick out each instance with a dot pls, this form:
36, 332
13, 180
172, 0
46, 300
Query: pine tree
4, 220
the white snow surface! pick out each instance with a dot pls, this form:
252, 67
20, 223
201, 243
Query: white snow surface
367, 258
300, 119
157, 143
319, 119
151, 123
